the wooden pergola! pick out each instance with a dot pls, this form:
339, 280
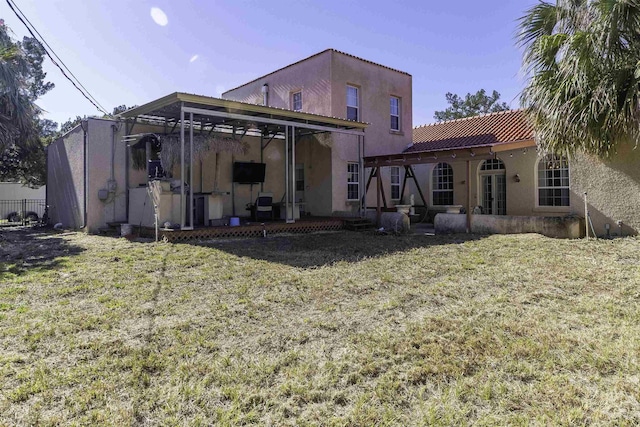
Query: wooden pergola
410, 158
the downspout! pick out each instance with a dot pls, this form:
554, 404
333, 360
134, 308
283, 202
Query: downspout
85, 127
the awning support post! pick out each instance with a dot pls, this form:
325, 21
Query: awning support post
182, 167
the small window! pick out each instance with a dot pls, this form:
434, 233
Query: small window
394, 109
492, 165
395, 182
442, 184
353, 103
353, 181
299, 177
553, 181
296, 101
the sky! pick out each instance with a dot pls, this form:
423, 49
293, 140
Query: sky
132, 52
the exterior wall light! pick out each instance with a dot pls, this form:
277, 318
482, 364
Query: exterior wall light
516, 177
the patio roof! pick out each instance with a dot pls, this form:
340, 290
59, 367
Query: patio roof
462, 139
216, 112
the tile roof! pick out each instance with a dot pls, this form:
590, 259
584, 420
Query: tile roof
489, 129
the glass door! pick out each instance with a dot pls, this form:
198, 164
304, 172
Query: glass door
494, 194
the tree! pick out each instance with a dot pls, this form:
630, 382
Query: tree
582, 62
22, 81
471, 105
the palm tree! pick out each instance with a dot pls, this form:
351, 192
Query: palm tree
582, 64
17, 110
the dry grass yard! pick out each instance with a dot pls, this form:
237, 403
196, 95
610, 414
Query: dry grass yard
336, 329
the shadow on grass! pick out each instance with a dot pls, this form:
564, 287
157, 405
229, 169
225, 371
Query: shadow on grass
24, 249
320, 249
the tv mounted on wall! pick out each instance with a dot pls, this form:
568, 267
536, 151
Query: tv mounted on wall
248, 173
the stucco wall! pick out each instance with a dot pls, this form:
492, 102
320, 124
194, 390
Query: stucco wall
613, 189
561, 227
312, 77
100, 140
323, 80
65, 179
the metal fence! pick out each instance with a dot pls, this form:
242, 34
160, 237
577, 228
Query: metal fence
21, 212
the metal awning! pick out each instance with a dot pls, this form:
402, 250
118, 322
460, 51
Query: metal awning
209, 112
196, 112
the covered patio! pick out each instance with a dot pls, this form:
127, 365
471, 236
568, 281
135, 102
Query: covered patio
269, 136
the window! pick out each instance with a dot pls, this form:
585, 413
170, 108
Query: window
394, 110
296, 101
553, 181
353, 181
442, 184
300, 177
492, 165
395, 182
353, 110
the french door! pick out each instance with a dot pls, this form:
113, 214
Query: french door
494, 194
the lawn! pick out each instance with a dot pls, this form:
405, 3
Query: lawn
336, 329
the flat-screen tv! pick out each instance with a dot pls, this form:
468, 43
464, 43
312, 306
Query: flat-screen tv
248, 173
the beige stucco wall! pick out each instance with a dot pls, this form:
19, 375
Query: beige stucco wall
613, 187
65, 179
323, 80
312, 77
101, 136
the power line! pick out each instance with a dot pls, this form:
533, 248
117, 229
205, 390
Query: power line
53, 52
84, 91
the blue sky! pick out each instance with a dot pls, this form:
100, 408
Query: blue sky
123, 56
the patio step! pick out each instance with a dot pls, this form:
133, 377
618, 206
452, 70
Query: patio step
358, 224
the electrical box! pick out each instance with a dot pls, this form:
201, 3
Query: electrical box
103, 194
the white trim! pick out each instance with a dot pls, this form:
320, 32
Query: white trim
399, 115
357, 182
357, 106
293, 102
551, 208
433, 189
392, 184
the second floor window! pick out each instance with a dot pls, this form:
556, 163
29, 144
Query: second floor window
353, 104
296, 101
394, 110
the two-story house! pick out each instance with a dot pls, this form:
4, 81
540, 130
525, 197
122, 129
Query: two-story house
336, 84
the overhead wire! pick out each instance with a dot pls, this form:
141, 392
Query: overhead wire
77, 84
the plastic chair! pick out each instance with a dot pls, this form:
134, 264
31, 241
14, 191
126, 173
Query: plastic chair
264, 206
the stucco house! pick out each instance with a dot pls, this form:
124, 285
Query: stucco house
329, 136
309, 124
489, 168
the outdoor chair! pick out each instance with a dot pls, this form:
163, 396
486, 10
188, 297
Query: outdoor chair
264, 206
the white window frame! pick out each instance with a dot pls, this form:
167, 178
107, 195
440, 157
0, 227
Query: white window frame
293, 100
351, 183
437, 186
395, 182
397, 113
551, 158
350, 104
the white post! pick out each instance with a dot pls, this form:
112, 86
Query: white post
190, 171
292, 183
286, 173
182, 200
586, 217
